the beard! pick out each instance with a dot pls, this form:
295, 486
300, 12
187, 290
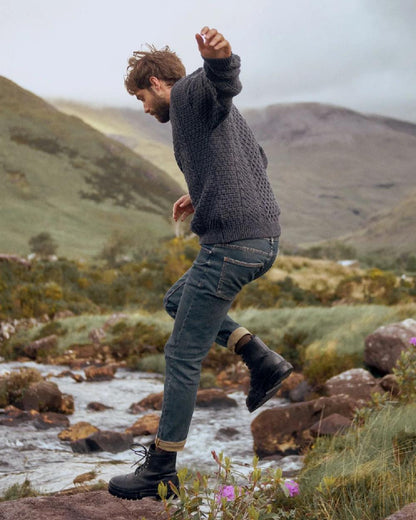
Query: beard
160, 110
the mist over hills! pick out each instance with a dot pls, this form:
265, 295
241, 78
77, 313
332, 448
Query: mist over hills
337, 173
59, 174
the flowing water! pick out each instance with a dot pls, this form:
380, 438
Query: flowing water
50, 464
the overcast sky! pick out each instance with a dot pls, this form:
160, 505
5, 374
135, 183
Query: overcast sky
360, 54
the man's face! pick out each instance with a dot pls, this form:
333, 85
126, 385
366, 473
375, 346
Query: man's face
155, 104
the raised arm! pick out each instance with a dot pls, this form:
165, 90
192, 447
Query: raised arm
212, 44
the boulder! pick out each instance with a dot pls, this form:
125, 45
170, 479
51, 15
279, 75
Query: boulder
407, 513
285, 430
331, 425
214, 398
389, 384
234, 377
42, 347
43, 396
80, 430
113, 442
47, 420
105, 373
146, 425
384, 346
356, 383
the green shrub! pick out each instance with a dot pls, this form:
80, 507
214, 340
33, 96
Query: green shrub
16, 491
14, 384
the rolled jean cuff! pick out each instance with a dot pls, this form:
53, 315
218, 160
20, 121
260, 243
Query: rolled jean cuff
169, 446
235, 337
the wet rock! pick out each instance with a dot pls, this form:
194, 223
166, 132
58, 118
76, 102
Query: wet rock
356, 383
94, 505
146, 425
105, 373
42, 347
95, 406
226, 433
68, 405
214, 398
384, 346
331, 425
136, 408
68, 373
77, 431
113, 442
43, 396
407, 513
151, 402
13, 416
285, 430
47, 420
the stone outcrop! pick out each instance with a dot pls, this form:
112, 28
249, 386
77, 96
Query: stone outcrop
285, 430
43, 396
94, 505
42, 347
77, 431
384, 346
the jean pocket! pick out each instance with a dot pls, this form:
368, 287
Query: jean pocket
234, 275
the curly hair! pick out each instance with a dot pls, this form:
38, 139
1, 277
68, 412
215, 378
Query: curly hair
164, 64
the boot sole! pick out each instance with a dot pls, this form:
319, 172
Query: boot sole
270, 393
136, 495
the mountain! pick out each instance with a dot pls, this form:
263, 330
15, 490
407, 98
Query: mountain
60, 175
333, 170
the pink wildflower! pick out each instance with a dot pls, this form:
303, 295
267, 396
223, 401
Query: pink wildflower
292, 487
413, 341
227, 492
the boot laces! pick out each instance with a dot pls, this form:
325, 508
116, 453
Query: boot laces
143, 453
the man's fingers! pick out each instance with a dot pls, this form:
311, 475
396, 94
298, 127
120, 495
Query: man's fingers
216, 40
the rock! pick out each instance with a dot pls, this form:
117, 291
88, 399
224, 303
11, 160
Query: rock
384, 346
61, 315
94, 505
285, 430
389, 384
136, 408
43, 346
96, 335
43, 396
105, 373
151, 402
146, 425
85, 477
113, 442
407, 513
13, 416
356, 383
47, 420
331, 425
68, 405
98, 407
68, 373
302, 392
214, 398
80, 430
114, 319
226, 433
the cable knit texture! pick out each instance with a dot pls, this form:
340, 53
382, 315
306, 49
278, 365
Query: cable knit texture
224, 166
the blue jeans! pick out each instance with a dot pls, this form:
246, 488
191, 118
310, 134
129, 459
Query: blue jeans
199, 302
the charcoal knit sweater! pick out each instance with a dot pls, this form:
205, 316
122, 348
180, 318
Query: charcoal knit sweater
224, 166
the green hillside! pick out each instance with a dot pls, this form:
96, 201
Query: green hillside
62, 176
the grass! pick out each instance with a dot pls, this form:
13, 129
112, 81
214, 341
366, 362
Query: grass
367, 474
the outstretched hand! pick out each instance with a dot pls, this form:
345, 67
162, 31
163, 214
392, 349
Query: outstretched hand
212, 44
182, 208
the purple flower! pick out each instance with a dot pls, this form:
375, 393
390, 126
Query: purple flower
292, 487
412, 341
227, 492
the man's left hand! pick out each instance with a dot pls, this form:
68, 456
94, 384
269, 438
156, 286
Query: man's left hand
212, 44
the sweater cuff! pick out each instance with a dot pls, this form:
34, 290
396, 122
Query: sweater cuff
223, 63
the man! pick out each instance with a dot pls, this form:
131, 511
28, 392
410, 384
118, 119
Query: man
236, 218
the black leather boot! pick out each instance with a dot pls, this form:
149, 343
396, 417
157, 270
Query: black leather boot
156, 468
267, 371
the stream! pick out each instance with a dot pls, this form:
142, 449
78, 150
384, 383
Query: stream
51, 465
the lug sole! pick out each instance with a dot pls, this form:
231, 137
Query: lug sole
137, 494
